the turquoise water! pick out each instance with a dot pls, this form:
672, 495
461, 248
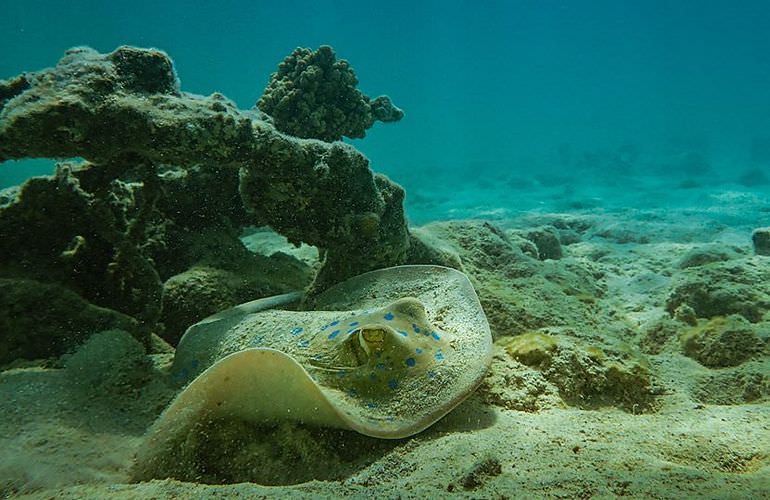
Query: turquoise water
502, 92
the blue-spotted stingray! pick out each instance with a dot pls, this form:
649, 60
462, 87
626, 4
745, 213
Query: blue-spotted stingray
386, 354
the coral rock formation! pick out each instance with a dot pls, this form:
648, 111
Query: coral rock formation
313, 95
104, 109
170, 180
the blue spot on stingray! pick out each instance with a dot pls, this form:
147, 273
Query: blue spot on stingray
352, 393
390, 418
403, 333
439, 356
418, 350
333, 334
342, 373
415, 328
296, 330
334, 323
410, 362
354, 323
431, 374
371, 405
316, 357
304, 344
392, 383
351, 330
184, 373
388, 316
194, 364
379, 366
435, 335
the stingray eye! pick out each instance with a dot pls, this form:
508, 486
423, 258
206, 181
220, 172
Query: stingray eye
374, 337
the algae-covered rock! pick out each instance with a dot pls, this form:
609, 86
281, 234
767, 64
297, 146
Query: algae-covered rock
512, 385
740, 286
722, 341
532, 349
426, 248
686, 314
41, 320
659, 333
526, 246
583, 374
199, 292
314, 95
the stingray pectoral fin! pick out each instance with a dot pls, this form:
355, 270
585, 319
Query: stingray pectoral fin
257, 385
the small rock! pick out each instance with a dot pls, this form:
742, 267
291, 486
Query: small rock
547, 241
707, 254
489, 467
761, 240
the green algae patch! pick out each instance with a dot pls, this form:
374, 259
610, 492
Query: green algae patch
532, 348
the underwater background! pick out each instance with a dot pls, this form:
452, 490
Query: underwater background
519, 94
586, 224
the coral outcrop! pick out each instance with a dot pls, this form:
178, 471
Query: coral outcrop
314, 95
100, 107
169, 181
